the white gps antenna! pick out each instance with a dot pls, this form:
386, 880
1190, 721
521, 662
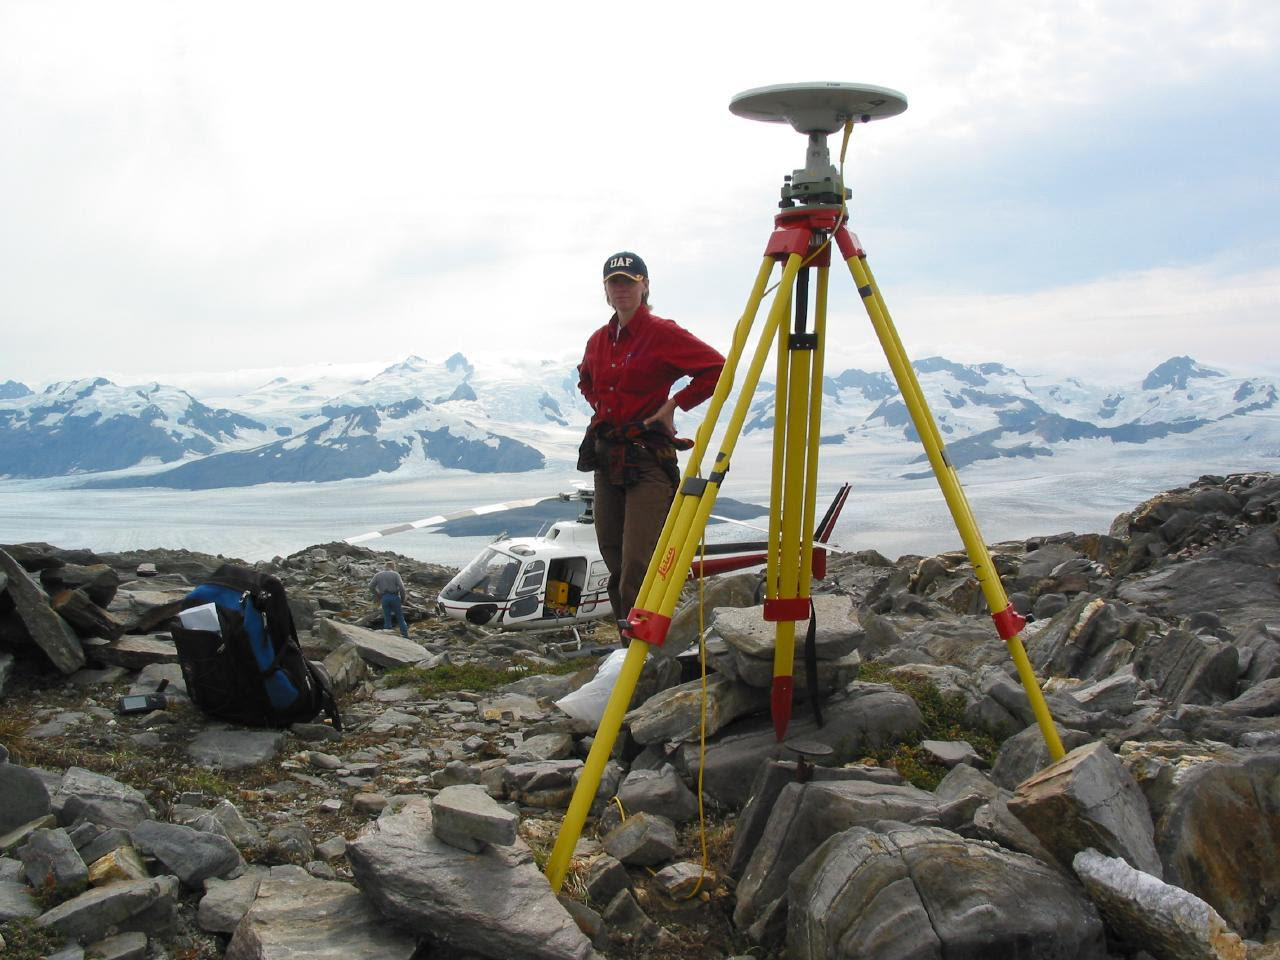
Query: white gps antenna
816, 110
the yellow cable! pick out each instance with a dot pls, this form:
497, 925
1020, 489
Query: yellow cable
702, 723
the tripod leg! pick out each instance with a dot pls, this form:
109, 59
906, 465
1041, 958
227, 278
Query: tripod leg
689, 511
788, 600
1008, 623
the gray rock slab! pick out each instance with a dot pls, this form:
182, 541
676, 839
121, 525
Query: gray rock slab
605, 877
47, 630
52, 862
658, 791
642, 840
9, 842
1024, 753
1260, 700
147, 906
191, 855
540, 781
120, 946
469, 811
1187, 667
345, 667
770, 779
1089, 799
17, 902
543, 746
26, 798
136, 652
730, 590
144, 607
803, 817
1164, 920
297, 915
950, 753
1115, 693
868, 717
837, 633
380, 647
1238, 584
495, 903
514, 706
233, 748
677, 712
102, 799
226, 819
915, 892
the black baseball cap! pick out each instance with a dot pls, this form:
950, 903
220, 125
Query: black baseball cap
627, 265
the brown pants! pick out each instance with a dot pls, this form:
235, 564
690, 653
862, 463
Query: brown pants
628, 523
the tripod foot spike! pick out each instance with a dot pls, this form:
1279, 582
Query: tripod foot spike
780, 705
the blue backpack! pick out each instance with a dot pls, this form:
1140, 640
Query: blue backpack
252, 670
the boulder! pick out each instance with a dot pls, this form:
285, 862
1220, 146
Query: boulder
495, 903
1217, 824
912, 892
380, 647
1146, 913
803, 817
1088, 799
42, 626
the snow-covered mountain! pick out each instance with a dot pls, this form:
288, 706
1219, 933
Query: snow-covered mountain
516, 417
90, 426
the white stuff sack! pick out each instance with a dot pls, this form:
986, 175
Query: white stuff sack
587, 703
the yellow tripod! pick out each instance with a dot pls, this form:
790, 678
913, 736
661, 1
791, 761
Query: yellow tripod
811, 222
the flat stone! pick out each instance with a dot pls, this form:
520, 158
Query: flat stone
234, 749
837, 635
382, 648
297, 915
469, 811
135, 652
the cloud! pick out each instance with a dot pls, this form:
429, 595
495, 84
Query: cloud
200, 181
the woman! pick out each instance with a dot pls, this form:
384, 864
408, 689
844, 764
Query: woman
626, 375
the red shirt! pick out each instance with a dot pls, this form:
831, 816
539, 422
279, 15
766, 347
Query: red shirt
626, 374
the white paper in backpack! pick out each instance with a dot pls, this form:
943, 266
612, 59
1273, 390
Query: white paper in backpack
203, 617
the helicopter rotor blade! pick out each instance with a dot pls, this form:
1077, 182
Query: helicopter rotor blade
445, 517
817, 544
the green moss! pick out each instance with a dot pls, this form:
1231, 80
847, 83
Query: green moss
25, 941
943, 716
463, 676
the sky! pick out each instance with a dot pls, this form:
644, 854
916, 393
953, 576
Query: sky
188, 189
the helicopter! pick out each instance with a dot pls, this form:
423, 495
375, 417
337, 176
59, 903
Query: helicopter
558, 579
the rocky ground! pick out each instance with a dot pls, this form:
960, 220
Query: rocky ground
916, 819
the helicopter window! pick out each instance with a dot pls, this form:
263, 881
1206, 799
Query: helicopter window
532, 578
489, 576
523, 607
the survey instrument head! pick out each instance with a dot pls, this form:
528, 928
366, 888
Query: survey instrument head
817, 110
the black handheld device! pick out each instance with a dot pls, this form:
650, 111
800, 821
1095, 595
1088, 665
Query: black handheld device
144, 702
141, 703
